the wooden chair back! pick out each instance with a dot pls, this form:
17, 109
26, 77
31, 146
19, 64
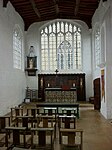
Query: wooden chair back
75, 139
4, 121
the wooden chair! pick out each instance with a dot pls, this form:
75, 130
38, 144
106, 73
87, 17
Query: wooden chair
42, 136
16, 111
74, 140
69, 111
24, 121
44, 133
4, 122
51, 111
33, 112
43, 121
64, 122
18, 137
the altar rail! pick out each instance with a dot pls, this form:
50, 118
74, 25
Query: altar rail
60, 95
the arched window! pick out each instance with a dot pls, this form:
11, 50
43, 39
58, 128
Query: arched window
60, 46
65, 59
17, 48
97, 47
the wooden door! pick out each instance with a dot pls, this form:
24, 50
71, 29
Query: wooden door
97, 94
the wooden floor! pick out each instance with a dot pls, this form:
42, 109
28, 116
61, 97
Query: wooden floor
97, 130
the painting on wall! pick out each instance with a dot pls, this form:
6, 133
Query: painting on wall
103, 84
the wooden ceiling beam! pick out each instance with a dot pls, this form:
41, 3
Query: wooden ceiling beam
26, 13
48, 14
23, 3
56, 7
35, 8
76, 7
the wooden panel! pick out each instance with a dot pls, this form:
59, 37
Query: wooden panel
60, 81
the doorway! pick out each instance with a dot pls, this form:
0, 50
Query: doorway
97, 94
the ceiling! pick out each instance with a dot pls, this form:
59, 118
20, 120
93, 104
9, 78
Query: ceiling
41, 10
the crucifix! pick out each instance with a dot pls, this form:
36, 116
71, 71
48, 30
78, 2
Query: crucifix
56, 71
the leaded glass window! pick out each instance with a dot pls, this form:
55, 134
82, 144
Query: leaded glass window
61, 46
97, 47
17, 49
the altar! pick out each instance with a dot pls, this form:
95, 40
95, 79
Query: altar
61, 95
61, 87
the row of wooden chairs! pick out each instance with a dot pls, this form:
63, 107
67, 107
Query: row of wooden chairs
19, 133
20, 111
30, 123
22, 123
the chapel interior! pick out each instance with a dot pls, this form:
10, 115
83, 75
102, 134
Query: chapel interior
56, 74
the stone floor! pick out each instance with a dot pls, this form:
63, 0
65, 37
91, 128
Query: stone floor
97, 130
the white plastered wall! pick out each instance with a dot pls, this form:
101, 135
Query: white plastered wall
103, 17
12, 81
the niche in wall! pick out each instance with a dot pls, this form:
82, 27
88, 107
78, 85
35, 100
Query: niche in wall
31, 65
